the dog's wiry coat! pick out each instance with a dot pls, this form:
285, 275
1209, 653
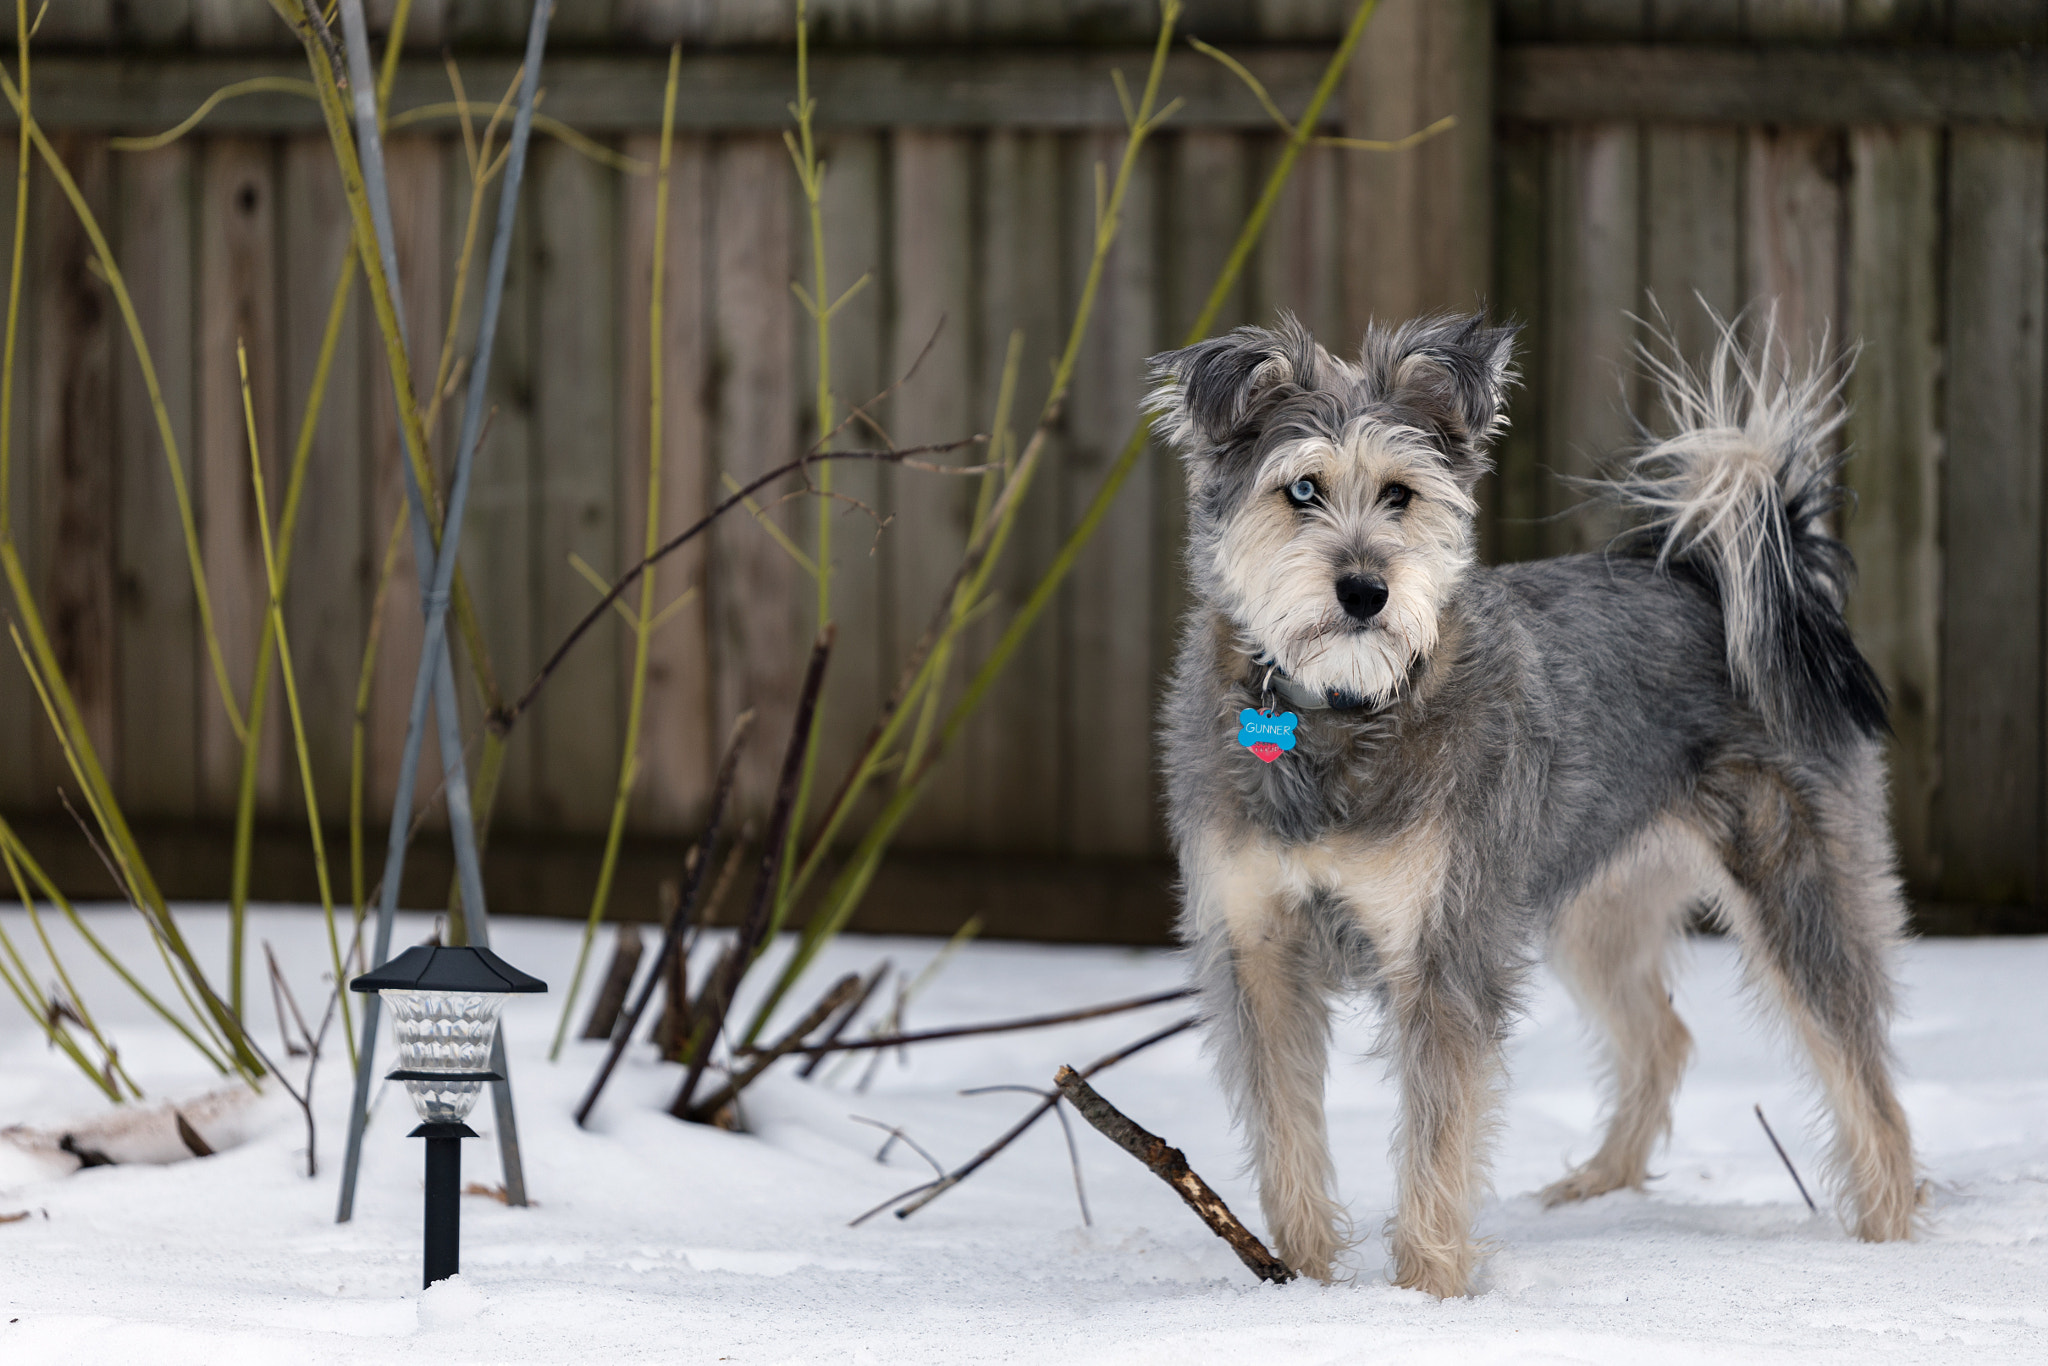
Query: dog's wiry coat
1554, 757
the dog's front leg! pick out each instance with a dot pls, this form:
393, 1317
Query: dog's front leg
1266, 999
1450, 1060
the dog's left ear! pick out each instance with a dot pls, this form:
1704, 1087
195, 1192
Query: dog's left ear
1452, 375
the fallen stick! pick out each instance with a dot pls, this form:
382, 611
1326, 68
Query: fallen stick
835, 1045
920, 1196
844, 990
1170, 1165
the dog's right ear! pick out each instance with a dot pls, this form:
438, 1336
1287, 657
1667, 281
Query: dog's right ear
1217, 390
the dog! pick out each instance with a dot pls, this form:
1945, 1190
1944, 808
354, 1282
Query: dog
1392, 770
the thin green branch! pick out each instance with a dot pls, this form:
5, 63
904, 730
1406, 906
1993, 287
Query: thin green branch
643, 620
273, 578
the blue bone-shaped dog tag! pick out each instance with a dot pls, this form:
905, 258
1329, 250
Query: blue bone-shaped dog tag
1265, 734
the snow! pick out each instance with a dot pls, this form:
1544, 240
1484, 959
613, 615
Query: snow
657, 1241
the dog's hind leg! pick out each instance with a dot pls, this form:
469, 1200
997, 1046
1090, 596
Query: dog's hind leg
1610, 946
1817, 908
1265, 991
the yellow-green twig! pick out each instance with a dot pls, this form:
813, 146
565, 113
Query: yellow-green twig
643, 619
274, 580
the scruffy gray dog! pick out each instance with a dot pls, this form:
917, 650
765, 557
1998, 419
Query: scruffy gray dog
1494, 763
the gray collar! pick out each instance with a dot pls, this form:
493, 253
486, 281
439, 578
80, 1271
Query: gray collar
1267, 675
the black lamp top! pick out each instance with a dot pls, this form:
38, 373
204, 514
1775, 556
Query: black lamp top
429, 967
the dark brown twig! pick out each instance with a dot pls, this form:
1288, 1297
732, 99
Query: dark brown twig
1170, 1165
920, 1196
1060, 1114
831, 1045
1786, 1159
842, 991
627, 946
846, 1017
897, 1135
501, 720
726, 981
721, 793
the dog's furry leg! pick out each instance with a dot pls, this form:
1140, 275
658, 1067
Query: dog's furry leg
1265, 996
1610, 946
1817, 908
1449, 1059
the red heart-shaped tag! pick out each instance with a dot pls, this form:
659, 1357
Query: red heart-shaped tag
1267, 750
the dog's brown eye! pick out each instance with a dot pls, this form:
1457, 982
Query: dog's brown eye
1302, 492
1396, 496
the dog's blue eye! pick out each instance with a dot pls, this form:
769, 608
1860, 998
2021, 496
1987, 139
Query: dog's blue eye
1301, 492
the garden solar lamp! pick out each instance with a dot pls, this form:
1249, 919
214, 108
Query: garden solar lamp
444, 1004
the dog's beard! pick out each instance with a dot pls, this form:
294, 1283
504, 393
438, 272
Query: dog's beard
1296, 621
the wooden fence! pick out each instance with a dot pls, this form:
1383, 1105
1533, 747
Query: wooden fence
1879, 169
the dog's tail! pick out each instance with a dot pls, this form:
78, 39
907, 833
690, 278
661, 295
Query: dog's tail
1740, 494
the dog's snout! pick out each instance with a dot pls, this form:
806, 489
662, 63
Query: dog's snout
1361, 596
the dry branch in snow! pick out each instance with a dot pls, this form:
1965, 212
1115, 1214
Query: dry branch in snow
1170, 1165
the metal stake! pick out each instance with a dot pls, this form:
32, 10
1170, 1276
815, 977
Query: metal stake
435, 680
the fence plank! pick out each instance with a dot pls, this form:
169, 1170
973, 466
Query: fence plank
1991, 835
760, 600
238, 24
1793, 234
20, 717
238, 280
327, 595
414, 169
71, 338
1011, 750
1593, 235
1107, 796
497, 538
576, 731
1691, 239
676, 746
1894, 432
933, 275
1300, 265
1513, 498
161, 687
1418, 220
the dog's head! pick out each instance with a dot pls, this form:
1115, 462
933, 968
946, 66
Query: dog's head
1330, 502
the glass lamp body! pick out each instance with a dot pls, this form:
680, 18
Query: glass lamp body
444, 1031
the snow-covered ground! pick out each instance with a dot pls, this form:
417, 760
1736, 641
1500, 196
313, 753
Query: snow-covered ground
657, 1241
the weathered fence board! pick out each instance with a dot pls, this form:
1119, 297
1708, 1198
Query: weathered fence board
576, 731
325, 597
677, 744
1106, 800
237, 301
1022, 290
1895, 307
73, 366
1991, 818
160, 686
761, 599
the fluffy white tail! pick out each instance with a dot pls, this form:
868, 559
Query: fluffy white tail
1739, 492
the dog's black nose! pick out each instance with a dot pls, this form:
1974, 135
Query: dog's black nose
1361, 597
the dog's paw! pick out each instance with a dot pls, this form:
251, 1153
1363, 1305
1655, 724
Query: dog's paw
1446, 1274
1583, 1183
